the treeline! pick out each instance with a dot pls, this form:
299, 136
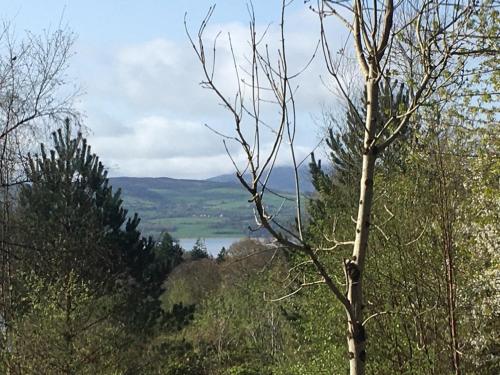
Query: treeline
84, 292
432, 287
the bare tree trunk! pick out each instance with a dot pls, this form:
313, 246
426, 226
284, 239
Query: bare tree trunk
354, 267
5, 234
446, 219
450, 283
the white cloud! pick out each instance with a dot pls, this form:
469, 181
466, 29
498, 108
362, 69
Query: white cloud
147, 110
157, 137
179, 167
188, 166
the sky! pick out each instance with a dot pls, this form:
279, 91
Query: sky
144, 109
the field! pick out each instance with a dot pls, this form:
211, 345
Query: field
194, 208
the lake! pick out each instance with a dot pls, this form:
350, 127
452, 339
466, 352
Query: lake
213, 244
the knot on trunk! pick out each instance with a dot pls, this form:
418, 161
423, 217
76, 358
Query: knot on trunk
352, 270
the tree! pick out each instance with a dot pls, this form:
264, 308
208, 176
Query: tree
33, 91
169, 252
199, 250
480, 229
86, 282
64, 328
190, 282
73, 221
221, 255
336, 185
438, 30
234, 330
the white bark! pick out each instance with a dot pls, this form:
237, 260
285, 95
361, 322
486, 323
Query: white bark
355, 266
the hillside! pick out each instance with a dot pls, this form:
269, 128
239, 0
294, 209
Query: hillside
282, 179
193, 208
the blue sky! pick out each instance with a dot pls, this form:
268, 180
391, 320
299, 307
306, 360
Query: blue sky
126, 21
142, 102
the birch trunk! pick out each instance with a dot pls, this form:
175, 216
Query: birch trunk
355, 266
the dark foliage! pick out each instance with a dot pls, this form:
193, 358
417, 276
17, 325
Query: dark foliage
74, 221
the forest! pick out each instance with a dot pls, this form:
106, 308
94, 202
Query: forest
390, 266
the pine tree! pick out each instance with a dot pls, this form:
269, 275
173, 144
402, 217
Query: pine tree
199, 250
73, 221
168, 253
344, 142
337, 186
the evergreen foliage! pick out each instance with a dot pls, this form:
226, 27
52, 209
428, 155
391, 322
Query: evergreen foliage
199, 250
73, 221
69, 191
168, 252
337, 186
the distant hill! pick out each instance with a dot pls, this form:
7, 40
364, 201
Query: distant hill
282, 179
194, 208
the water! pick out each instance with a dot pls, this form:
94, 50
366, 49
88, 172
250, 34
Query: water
213, 244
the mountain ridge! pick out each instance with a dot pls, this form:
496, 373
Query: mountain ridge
282, 179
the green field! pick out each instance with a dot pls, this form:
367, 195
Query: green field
194, 208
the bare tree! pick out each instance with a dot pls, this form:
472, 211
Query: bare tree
33, 86
431, 34
33, 90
